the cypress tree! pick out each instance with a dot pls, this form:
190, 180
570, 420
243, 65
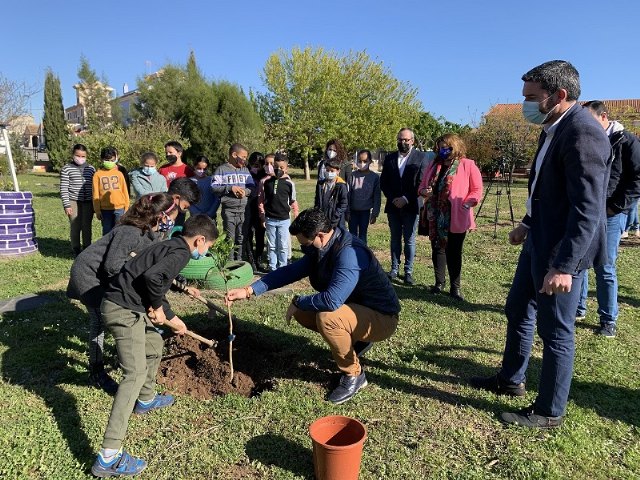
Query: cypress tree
56, 132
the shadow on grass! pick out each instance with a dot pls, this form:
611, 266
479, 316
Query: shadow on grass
421, 293
608, 401
41, 359
54, 247
281, 452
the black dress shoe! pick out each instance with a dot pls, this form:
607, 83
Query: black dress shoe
527, 417
495, 384
456, 294
349, 386
436, 289
392, 275
408, 279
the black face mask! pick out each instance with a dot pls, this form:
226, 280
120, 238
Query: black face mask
172, 158
307, 249
279, 173
403, 147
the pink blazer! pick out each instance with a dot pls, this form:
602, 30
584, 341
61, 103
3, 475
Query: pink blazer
466, 188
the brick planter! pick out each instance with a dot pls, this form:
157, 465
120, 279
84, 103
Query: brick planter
17, 224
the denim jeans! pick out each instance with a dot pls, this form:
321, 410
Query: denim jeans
359, 223
606, 276
110, 218
632, 217
403, 224
555, 317
278, 242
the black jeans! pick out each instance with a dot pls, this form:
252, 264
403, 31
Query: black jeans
449, 258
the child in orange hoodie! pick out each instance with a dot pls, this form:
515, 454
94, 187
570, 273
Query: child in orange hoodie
110, 194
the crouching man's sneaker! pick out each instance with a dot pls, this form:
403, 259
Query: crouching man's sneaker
122, 464
159, 401
349, 386
527, 417
495, 384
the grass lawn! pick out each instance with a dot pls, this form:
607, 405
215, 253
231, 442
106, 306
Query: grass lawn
424, 421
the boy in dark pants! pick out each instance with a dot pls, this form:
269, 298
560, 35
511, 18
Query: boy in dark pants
332, 195
134, 303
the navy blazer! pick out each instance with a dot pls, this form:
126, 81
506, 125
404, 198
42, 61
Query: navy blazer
393, 186
568, 206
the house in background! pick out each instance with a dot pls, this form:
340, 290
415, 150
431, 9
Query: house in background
123, 106
76, 115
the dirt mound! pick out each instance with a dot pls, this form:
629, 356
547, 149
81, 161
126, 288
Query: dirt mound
191, 368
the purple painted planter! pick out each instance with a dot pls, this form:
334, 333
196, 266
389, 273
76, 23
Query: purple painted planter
17, 224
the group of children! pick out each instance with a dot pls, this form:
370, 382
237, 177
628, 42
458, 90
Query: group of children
123, 277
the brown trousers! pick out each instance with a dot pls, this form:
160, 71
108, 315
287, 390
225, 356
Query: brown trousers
345, 326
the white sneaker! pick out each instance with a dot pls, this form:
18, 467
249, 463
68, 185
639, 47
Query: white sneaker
625, 234
637, 233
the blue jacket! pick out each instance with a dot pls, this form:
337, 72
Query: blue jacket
209, 202
568, 213
343, 271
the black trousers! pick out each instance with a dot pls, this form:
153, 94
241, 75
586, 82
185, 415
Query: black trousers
449, 258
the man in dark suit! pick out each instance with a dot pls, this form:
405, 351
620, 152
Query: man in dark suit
563, 233
399, 181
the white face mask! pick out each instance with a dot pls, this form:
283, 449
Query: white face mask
79, 160
331, 175
363, 165
331, 154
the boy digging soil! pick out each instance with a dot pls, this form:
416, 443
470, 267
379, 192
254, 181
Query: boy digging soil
134, 303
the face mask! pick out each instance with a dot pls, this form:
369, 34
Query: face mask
268, 169
363, 165
403, 147
331, 154
307, 249
331, 175
279, 173
531, 112
444, 152
196, 255
79, 160
199, 172
172, 158
166, 224
109, 165
148, 170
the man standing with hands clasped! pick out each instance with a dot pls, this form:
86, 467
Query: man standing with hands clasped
563, 233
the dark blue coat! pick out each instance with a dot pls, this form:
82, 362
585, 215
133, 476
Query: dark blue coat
394, 186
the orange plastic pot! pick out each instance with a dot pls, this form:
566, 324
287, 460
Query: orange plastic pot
337, 447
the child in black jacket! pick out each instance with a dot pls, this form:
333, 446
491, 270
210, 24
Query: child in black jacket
134, 303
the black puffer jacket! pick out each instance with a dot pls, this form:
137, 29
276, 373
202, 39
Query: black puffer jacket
624, 180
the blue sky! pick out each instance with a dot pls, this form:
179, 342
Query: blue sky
463, 56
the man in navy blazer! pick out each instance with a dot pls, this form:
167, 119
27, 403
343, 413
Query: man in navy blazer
401, 175
563, 233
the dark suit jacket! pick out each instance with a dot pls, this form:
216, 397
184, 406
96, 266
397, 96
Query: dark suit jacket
568, 212
393, 186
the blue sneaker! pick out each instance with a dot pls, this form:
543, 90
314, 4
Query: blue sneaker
159, 401
123, 464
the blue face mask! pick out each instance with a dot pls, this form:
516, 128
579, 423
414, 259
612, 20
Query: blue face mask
445, 152
148, 170
196, 255
531, 112
166, 224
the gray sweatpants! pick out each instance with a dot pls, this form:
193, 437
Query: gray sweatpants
232, 223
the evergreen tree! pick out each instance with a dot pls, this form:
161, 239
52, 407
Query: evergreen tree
56, 132
95, 96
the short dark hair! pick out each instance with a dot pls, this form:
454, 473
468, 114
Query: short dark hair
200, 224
280, 157
310, 222
237, 148
186, 188
596, 106
365, 152
256, 157
333, 163
176, 145
201, 159
79, 146
556, 75
108, 153
148, 155
144, 213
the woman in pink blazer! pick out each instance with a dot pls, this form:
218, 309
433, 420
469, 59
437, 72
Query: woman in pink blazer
451, 187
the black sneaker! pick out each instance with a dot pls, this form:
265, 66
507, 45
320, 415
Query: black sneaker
101, 379
496, 385
608, 330
362, 347
392, 275
348, 387
408, 279
527, 417
456, 294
